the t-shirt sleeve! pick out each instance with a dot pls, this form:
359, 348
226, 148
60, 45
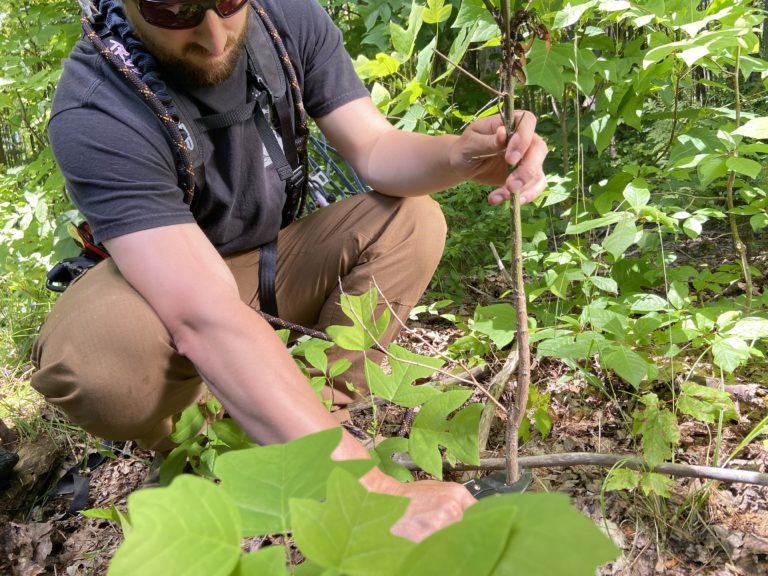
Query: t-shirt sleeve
120, 177
330, 80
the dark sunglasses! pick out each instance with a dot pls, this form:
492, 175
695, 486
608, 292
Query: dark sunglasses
181, 15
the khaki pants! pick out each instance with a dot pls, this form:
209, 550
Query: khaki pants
105, 358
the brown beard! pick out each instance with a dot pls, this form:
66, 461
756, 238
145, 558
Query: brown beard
188, 73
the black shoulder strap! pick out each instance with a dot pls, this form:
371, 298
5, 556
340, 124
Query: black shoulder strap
264, 64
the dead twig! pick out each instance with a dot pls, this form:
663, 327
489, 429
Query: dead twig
469, 74
496, 388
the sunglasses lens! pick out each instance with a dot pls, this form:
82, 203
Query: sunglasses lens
173, 15
185, 14
230, 7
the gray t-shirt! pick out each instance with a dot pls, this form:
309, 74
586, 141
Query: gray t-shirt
120, 169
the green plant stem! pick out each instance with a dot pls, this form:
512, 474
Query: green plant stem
563, 119
738, 244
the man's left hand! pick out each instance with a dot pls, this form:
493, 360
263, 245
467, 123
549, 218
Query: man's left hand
483, 154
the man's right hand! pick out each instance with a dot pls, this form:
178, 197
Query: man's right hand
434, 505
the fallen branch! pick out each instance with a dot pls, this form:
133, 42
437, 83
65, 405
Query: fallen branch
566, 460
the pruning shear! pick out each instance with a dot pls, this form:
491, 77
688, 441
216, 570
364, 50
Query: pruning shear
497, 484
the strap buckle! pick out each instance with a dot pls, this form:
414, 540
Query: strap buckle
297, 178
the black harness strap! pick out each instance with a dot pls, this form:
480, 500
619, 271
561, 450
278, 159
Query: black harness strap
275, 151
226, 119
267, 278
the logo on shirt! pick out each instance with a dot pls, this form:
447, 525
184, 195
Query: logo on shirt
185, 133
121, 53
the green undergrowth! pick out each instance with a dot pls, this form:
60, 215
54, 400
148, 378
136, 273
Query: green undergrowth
195, 526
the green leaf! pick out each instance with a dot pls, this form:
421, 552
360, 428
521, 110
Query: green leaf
605, 320
628, 364
262, 480
269, 561
339, 367
189, 424
622, 479
349, 533
694, 226
463, 432
568, 347
175, 462
759, 221
582, 227
755, 128
204, 540
380, 96
314, 352
431, 429
437, 11
230, 433
692, 55
751, 328
705, 403
637, 194
513, 535
605, 284
366, 328
404, 40
545, 66
383, 66
677, 295
744, 166
498, 322
474, 14
711, 167
647, 303
406, 368
658, 428
385, 450
602, 130
621, 238
656, 484
113, 515
571, 15
457, 51
730, 353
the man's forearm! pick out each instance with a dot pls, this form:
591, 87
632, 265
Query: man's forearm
250, 371
410, 164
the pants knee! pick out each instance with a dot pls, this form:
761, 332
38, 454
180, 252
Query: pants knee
105, 358
423, 222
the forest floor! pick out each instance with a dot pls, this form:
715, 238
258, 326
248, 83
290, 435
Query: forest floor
704, 528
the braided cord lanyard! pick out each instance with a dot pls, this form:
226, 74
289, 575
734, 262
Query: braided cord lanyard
184, 167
